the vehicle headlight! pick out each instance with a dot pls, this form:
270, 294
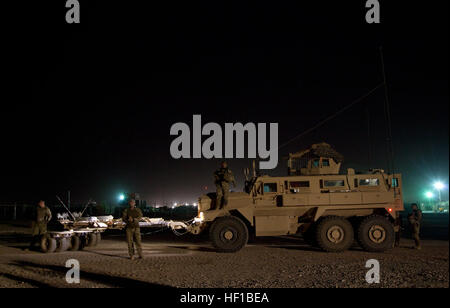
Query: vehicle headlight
200, 217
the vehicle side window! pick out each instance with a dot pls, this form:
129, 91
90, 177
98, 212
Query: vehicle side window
394, 182
315, 163
270, 187
295, 186
325, 162
334, 183
369, 182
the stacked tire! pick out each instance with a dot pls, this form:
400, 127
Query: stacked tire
48, 244
75, 242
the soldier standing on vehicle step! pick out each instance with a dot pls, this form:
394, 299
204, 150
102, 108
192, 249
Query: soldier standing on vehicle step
131, 217
222, 178
41, 217
415, 218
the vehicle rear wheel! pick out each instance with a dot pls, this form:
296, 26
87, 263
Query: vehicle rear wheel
48, 244
228, 234
376, 234
334, 234
62, 244
74, 243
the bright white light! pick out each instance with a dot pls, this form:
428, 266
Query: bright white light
175, 204
186, 204
429, 194
195, 204
122, 197
438, 185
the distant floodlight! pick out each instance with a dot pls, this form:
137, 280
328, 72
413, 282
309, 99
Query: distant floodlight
438, 185
121, 197
429, 194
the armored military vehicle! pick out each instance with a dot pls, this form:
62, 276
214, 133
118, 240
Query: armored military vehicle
331, 209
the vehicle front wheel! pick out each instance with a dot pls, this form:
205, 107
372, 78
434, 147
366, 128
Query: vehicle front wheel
228, 234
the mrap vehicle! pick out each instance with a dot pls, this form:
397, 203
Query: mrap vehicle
328, 208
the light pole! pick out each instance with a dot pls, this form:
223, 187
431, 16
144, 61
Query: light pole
439, 186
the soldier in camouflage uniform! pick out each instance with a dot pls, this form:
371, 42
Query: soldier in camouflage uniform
41, 217
415, 219
131, 217
222, 178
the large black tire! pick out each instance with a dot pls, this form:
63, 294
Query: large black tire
92, 239
62, 244
228, 234
334, 234
75, 243
376, 234
48, 244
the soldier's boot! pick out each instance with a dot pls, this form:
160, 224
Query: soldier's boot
418, 246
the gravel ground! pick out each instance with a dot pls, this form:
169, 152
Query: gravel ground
191, 262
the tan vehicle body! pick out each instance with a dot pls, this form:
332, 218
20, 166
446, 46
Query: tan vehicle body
275, 206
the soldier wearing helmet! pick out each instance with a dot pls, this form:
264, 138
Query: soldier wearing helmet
42, 216
131, 217
223, 177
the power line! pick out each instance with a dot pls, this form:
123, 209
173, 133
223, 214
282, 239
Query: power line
333, 115
387, 114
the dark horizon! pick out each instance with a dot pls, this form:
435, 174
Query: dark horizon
93, 107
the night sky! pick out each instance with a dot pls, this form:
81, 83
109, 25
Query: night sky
93, 103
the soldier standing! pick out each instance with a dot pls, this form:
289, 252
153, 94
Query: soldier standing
131, 217
222, 178
41, 217
415, 219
